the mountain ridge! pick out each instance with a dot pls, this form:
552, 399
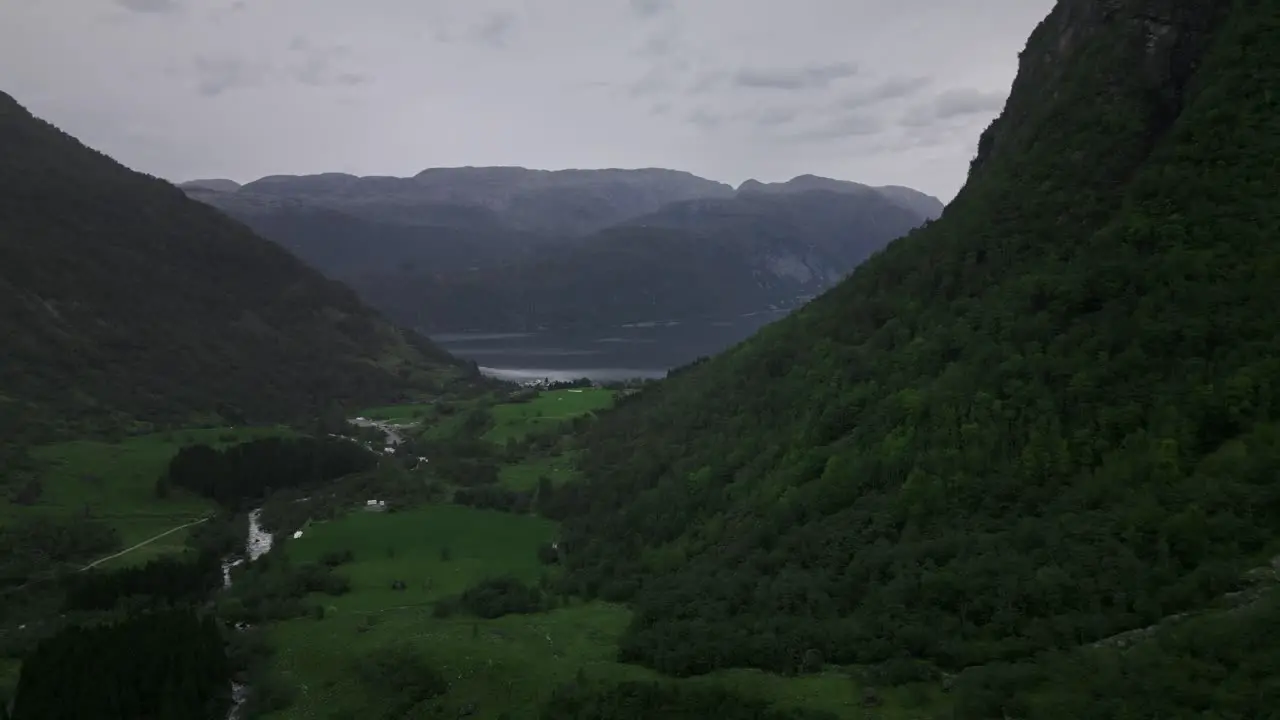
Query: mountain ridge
605, 197
702, 258
159, 308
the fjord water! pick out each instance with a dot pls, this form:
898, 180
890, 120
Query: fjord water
634, 350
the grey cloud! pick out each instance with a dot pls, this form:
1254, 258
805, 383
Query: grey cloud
763, 77
707, 81
214, 76
656, 46
772, 117
894, 88
967, 101
317, 66
150, 6
846, 126
219, 14
495, 30
704, 118
659, 78
797, 78
653, 81
955, 103
650, 8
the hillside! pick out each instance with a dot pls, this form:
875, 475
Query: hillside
121, 299
1048, 417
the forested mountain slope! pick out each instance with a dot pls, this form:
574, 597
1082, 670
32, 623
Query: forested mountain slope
121, 299
1048, 417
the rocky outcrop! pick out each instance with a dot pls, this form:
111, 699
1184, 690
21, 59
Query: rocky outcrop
1154, 46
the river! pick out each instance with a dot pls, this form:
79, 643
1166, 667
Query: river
258, 542
634, 350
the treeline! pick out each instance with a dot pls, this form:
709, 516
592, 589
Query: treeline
648, 700
1223, 665
164, 580
168, 665
494, 497
33, 546
494, 597
273, 587
243, 473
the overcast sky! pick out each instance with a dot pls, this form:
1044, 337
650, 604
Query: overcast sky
877, 91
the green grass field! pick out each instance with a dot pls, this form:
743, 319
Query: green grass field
515, 420
115, 483
436, 550
505, 667
524, 475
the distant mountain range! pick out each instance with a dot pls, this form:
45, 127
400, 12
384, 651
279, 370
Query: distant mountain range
505, 248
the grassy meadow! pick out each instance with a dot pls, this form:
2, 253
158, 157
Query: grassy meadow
515, 420
524, 475
115, 483
501, 668
436, 550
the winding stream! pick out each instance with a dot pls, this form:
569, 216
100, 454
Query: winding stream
258, 542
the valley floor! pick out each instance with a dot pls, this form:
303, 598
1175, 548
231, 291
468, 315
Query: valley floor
400, 563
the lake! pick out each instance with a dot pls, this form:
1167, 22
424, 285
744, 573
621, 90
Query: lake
635, 350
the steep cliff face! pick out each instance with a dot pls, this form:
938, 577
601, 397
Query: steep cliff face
1159, 44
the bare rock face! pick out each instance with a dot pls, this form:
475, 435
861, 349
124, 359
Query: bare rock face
1154, 45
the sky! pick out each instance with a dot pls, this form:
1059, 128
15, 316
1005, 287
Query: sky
876, 91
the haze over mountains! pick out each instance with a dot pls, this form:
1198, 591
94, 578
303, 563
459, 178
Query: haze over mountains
501, 248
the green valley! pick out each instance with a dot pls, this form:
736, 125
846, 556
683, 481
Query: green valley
1018, 464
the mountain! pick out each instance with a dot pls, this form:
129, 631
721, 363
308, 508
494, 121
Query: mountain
927, 206
467, 260
557, 202
1049, 417
123, 300
213, 185
709, 258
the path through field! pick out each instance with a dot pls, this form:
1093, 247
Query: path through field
148, 541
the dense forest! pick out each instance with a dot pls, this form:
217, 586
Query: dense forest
1221, 665
167, 665
165, 580
651, 700
32, 546
248, 471
123, 300
1049, 417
